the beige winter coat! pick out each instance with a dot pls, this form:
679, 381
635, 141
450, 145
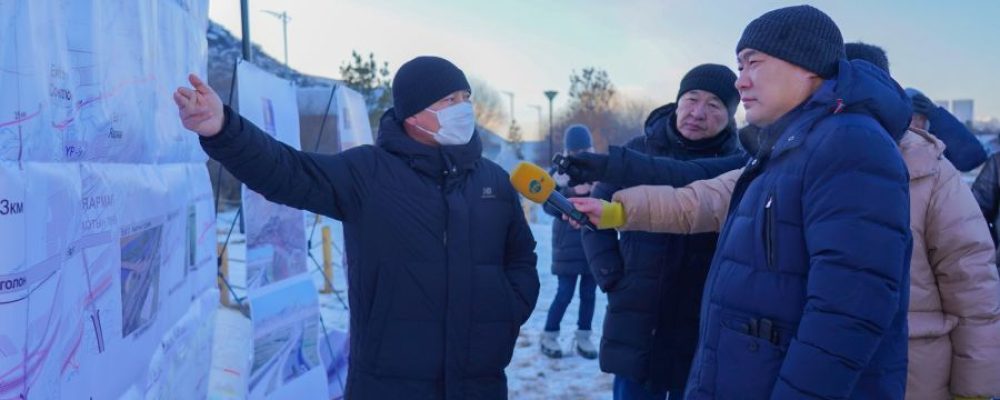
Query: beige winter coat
954, 316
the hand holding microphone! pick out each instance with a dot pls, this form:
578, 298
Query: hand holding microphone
538, 186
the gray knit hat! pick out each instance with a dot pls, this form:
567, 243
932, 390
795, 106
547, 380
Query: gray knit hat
801, 35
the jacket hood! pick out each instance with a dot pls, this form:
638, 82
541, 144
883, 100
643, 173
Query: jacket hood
922, 152
862, 88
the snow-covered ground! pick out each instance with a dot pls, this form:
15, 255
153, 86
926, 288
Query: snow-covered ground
531, 375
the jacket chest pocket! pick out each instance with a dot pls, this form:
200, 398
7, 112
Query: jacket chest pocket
770, 231
780, 233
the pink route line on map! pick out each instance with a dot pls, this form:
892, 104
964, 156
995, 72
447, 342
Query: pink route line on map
86, 102
37, 357
22, 119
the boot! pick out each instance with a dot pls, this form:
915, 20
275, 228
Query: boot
550, 344
584, 346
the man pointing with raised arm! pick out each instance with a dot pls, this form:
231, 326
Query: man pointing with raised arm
440, 257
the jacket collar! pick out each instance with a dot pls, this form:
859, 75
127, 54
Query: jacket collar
443, 162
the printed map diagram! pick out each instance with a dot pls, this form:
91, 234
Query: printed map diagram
49, 329
103, 199
90, 93
286, 328
276, 242
140, 275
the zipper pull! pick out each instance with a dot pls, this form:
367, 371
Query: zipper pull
770, 199
445, 240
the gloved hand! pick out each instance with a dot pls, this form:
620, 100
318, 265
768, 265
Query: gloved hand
583, 167
923, 105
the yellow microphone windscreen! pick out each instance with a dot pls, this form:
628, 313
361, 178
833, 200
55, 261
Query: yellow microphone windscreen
532, 182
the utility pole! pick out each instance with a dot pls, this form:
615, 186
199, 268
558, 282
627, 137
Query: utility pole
283, 16
245, 20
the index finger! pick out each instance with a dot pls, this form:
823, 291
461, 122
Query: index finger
585, 204
197, 83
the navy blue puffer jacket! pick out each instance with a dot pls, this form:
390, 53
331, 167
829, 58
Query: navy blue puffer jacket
440, 259
808, 290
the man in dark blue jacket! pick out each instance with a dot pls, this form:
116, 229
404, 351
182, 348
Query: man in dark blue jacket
655, 281
440, 258
808, 291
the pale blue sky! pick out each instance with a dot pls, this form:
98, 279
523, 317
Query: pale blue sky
950, 50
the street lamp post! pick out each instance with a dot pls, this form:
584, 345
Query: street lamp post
550, 94
283, 16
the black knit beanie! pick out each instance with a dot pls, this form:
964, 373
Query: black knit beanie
867, 52
800, 35
423, 81
715, 79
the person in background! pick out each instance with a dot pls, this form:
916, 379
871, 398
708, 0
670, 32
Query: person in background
655, 281
569, 264
962, 147
986, 189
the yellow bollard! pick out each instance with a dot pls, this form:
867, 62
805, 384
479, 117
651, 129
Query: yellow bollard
327, 262
224, 294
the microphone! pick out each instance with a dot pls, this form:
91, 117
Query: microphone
538, 186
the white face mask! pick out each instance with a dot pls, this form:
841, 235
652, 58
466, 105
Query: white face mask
458, 123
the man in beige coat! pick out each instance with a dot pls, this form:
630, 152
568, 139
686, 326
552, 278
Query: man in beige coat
954, 311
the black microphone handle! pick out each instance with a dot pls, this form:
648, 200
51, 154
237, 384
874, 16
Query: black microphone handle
562, 204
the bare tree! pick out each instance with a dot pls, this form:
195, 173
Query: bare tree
629, 116
613, 119
591, 90
592, 99
488, 105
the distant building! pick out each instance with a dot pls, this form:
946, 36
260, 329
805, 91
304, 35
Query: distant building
963, 110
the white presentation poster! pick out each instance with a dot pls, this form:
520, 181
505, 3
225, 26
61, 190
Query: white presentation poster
107, 223
276, 239
286, 362
352, 121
